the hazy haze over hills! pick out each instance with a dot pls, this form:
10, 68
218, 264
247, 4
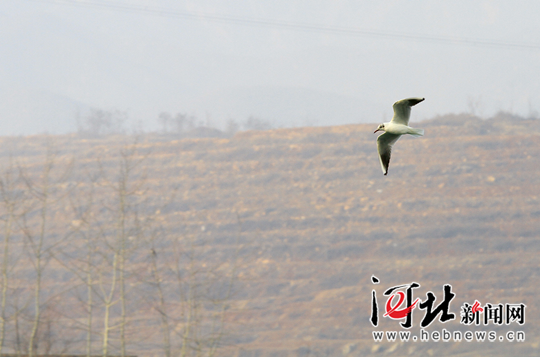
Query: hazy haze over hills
60, 57
297, 219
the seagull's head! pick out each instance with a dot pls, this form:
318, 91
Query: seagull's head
381, 127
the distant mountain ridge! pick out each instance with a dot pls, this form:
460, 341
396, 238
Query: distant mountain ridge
288, 106
30, 112
25, 112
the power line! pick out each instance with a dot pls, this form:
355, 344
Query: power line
337, 30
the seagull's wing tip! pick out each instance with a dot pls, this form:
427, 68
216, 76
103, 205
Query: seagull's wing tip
414, 101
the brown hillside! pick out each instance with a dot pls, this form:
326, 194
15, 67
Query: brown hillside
317, 218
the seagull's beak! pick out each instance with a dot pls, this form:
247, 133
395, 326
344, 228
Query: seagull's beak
376, 130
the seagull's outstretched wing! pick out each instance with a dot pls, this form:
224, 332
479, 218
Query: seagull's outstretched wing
384, 147
402, 110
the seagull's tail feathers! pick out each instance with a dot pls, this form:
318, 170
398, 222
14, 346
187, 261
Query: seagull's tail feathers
417, 132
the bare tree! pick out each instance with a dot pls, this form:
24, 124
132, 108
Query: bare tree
178, 123
191, 294
475, 105
102, 122
12, 202
254, 123
119, 263
83, 266
182, 122
120, 231
161, 306
44, 193
165, 120
232, 127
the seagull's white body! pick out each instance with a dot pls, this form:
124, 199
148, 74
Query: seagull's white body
395, 128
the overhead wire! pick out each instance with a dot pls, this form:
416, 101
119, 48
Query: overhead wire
338, 30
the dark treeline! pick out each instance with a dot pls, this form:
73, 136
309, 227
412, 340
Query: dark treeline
99, 122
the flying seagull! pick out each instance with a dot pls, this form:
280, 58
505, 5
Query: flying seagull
398, 126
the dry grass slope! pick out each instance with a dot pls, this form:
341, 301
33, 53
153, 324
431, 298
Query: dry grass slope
460, 206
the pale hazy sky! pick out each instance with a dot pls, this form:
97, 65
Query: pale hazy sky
201, 57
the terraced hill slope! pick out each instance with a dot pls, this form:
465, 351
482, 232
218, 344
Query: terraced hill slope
315, 219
